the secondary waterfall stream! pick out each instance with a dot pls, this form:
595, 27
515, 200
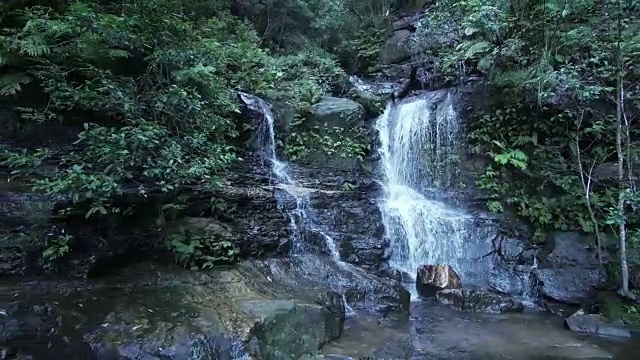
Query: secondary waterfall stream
302, 217
420, 140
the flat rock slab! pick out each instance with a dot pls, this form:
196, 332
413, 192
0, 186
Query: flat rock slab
596, 324
479, 301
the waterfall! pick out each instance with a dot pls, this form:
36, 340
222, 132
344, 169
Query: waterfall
419, 146
302, 216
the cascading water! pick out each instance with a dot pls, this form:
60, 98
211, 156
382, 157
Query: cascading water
420, 141
302, 216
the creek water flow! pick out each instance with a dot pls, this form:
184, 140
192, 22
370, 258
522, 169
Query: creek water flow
419, 145
302, 216
435, 331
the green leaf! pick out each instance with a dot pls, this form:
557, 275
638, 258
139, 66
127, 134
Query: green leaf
11, 84
485, 64
476, 48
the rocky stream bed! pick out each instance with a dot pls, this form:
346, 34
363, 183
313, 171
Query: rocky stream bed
272, 309
509, 303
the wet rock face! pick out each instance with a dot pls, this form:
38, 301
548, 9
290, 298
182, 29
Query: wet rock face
348, 214
260, 227
514, 263
432, 278
567, 270
569, 285
354, 220
366, 251
255, 220
511, 280
479, 301
570, 272
362, 290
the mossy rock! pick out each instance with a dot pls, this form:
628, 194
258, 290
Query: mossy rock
331, 136
615, 307
334, 112
292, 330
374, 104
373, 95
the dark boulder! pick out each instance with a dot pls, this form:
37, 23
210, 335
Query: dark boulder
479, 301
396, 49
570, 272
571, 285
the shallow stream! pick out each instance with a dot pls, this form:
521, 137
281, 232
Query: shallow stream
434, 331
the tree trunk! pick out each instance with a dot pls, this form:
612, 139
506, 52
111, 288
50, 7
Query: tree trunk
585, 179
624, 268
622, 230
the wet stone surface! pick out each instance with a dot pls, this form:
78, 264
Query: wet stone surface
268, 309
436, 332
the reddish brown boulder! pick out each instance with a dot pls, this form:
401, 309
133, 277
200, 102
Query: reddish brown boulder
433, 278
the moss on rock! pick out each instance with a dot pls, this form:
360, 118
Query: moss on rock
332, 135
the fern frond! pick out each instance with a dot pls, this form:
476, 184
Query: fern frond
117, 53
34, 46
473, 48
11, 84
4, 56
198, 73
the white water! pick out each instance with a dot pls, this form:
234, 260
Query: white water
419, 147
302, 217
